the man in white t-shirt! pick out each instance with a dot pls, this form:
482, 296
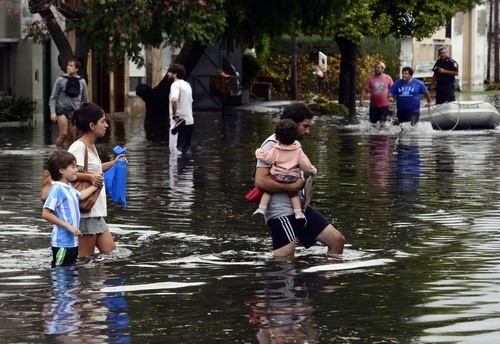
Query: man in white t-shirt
180, 110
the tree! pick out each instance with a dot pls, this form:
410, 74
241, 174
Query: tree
117, 29
250, 21
348, 32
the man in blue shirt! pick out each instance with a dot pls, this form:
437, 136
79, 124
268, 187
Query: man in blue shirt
407, 92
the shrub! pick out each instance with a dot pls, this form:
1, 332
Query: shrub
21, 109
323, 106
276, 70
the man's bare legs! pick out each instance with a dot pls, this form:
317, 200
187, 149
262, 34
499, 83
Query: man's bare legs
332, 238
63, 124
286, 251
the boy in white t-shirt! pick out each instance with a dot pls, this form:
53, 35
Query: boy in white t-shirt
62, 208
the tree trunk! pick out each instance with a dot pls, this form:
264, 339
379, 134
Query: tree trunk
189, 55
347, 77
59, 38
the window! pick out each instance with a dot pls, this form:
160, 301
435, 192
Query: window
134, 81
448, 29
136, 75
5, 87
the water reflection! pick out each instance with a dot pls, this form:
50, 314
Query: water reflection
441, 285
181, 184
61, 313
379, 164
78, 313
408, 171
282, 312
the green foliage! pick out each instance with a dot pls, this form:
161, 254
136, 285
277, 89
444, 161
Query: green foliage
264, 47
250, 20
21, 109
361, 20
420, 19
322, 106
37, 31
119, 28
389, 46
276, 70
386, 49
306, 45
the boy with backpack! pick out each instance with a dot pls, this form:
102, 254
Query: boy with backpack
69, 91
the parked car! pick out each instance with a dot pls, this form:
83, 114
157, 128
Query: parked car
423, 71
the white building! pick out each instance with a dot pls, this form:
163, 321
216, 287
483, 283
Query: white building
466, 38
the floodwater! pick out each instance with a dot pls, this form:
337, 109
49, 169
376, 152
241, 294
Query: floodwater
420, 211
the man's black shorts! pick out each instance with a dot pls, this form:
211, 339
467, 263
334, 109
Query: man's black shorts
286, 229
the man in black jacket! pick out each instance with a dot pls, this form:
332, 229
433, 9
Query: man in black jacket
445, 69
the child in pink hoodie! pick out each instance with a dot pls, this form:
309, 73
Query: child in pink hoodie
287, 160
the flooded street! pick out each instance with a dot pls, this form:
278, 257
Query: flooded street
420, 211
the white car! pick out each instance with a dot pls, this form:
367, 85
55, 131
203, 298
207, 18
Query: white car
423, 71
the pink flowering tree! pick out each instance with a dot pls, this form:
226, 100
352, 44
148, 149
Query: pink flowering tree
116, 29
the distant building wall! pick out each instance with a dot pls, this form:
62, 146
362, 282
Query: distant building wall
28, 71
21, 61
470, 45
466, 41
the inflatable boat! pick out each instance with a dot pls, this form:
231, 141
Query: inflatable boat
461, 115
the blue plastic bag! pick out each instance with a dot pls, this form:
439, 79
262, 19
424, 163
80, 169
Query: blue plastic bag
115, 179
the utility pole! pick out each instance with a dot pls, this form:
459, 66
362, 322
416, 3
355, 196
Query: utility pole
490, 38
497, 45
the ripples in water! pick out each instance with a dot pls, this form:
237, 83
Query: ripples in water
419, 209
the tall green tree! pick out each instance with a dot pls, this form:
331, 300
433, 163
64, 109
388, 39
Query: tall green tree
253, 20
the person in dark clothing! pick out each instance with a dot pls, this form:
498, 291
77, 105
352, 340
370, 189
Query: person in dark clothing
445, 71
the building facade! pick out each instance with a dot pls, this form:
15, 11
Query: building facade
22, 64
466, 38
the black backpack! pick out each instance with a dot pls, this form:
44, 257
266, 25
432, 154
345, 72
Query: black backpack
72, 86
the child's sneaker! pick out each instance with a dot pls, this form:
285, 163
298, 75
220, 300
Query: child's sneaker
299, 215
259, 211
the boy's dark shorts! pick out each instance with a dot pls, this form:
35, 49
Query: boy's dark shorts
63, 256
286, 229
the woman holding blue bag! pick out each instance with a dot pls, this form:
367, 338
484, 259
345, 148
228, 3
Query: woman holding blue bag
91, 121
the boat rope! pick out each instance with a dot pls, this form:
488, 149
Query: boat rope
437, 109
